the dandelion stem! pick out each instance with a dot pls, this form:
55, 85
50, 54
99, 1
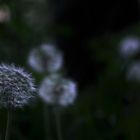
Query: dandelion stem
47, 123
7, 133
58, 123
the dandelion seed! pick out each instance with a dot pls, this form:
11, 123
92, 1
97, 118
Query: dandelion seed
129, 47
16, 87
56, 90
46, 58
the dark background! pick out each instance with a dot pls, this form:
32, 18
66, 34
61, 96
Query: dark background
88, 33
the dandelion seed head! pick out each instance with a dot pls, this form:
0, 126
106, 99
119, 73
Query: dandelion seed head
56, 90
46, 58
129, 47
16, 87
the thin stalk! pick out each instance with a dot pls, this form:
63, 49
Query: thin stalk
46, 114
58, 123
7, 133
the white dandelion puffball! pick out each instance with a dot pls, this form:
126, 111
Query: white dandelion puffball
56, 90
46, 58
16, 87
133, 72
129, 47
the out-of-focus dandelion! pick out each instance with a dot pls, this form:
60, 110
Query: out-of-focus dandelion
133, 72
129, 47
16, 90
59, 92
33, 19
56, 90
34, 14
5, 14
46, 58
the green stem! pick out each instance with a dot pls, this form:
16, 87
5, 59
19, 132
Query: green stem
58, 123
7, 133
47, 122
